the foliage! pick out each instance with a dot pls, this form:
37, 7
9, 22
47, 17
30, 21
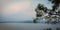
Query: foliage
41, 12
55, 4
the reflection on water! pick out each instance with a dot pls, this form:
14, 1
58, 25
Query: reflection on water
28, 26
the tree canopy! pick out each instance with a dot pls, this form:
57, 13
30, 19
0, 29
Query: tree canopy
53, 15
55, 4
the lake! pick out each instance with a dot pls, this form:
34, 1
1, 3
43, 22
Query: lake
27, 26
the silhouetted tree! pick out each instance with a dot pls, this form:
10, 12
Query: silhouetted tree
54, 11
53, 14
55, 4
39, 11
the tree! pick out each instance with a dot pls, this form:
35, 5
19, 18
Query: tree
55, 4
53, 14
55, 10
40, 10
39, 7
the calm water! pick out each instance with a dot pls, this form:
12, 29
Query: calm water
27, 26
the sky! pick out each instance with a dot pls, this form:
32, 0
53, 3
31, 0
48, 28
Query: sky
21, 10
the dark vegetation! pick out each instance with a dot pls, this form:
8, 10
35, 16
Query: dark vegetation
53, 14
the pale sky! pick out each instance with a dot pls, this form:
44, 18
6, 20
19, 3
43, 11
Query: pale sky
20, 10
